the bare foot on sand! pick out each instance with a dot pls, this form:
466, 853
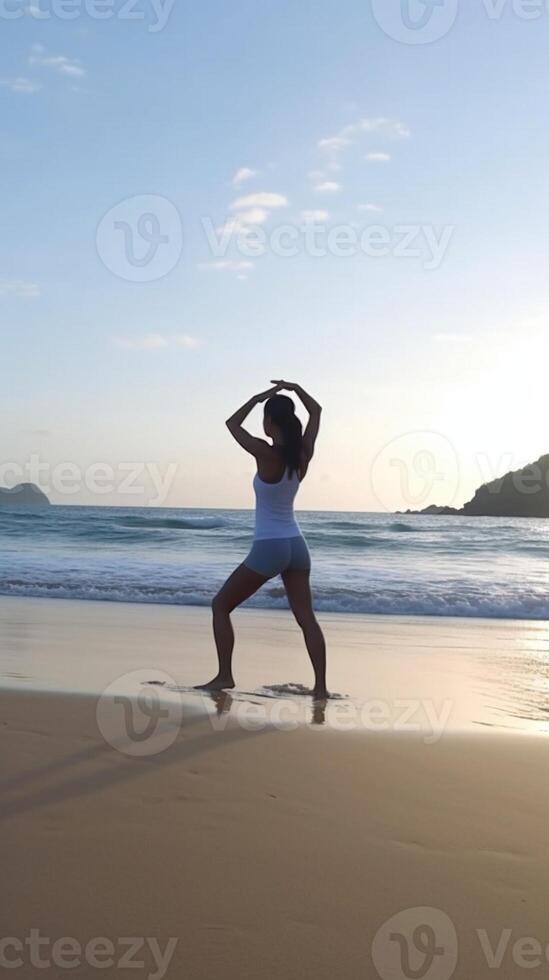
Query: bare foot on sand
320, 693
218, 684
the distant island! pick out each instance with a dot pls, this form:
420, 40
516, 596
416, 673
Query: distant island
520, 493
23, 495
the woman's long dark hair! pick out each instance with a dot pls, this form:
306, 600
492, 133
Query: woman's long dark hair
281, 410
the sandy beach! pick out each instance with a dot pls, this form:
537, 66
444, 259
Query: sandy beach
264, 848
275, 852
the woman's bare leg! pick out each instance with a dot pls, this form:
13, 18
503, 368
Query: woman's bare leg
298, 590
239, 586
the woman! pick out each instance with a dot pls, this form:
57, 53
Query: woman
278, 547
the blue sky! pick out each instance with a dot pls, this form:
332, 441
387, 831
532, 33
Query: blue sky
100, 369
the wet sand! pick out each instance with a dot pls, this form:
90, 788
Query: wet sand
403, 673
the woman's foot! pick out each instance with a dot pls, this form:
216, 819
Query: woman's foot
218, 684
320, 693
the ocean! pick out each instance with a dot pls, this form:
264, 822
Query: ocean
362, 562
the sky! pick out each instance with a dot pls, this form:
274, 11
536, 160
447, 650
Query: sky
198, 198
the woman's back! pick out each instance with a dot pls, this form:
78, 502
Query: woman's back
274, 508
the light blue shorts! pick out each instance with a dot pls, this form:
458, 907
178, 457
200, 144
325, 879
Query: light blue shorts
271, 556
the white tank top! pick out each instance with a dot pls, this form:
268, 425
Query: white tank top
274, 508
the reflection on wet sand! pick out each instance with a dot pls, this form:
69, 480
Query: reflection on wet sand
515, 684
224, 701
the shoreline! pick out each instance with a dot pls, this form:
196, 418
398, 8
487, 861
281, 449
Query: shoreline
279, 610
251, 606
446, 673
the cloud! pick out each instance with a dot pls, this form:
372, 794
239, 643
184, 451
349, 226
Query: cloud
378, 157
333, 147
155, 341
327, 187
253, 209
185, 340
263, 199
255, 216
21, 85
229, 265
334, 144
390, 128
314, 217
242, 222
242, 175
230, 227
18, 287
369, 207
59, 63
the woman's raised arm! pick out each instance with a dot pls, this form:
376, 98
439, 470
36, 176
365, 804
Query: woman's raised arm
314, 410
234, 424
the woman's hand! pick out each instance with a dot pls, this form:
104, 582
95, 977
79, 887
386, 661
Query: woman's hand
264, 395
285, 385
